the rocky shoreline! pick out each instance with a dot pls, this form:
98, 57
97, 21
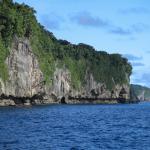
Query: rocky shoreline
32, 102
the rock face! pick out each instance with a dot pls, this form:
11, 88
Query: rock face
25, 77
61, 82
7, 103
91, 92
26, 82
140, 93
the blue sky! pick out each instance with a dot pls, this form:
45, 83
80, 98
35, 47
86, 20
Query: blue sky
115, 26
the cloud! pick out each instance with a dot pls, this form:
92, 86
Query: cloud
132, 57
134, 60
137, 64
135, 28
143, 80
51, 21
86, 19
120, 31
139, 27
138, 10
146, 78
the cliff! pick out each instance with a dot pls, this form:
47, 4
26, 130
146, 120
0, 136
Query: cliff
36, 68
141, 92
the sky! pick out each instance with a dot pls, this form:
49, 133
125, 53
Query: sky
115, 26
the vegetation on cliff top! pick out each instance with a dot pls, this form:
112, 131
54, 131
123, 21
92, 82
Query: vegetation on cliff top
139, 90
20, 20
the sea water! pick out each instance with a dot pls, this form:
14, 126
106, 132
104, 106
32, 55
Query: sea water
76, 127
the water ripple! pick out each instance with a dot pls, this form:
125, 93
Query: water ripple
76, 127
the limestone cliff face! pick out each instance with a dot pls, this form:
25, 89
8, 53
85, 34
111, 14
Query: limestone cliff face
25, 78
92, 90
26, 81
61, 82
99, 90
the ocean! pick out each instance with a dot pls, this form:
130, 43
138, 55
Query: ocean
76, 127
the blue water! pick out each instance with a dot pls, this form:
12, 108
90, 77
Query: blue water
76, 127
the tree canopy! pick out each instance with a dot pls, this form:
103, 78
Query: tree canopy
19, 20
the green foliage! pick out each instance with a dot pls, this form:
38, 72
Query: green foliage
16, 19
77, 69
138, 90
42, 45
3, 67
